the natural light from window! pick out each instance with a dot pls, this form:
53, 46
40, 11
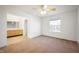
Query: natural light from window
55, 25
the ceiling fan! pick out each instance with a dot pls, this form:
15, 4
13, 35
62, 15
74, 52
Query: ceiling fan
46, 8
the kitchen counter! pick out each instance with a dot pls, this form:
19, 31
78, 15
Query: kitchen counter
14, 32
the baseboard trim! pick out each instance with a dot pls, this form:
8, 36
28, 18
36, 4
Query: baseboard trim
59, 38
35, 36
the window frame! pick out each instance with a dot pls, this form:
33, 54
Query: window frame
55, 26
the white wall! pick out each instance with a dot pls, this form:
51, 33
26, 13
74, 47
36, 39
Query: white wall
78, 25
34, 26
68, 25
33, 23
3, 38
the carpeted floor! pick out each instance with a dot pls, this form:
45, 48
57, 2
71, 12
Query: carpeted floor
41, 44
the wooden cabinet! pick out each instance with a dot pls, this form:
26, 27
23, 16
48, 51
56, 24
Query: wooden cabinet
14, 32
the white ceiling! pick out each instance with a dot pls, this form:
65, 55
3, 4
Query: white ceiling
34, 9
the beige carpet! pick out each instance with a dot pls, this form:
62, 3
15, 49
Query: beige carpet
41, 44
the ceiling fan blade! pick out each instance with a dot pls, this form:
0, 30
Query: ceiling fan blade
53, 9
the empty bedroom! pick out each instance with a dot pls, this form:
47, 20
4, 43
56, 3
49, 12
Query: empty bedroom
39, 28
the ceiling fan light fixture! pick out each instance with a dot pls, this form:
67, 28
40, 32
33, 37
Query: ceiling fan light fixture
43, 12
45, 7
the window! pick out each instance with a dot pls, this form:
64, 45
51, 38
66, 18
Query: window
55, 25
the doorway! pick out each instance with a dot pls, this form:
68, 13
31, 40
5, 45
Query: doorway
16, 31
